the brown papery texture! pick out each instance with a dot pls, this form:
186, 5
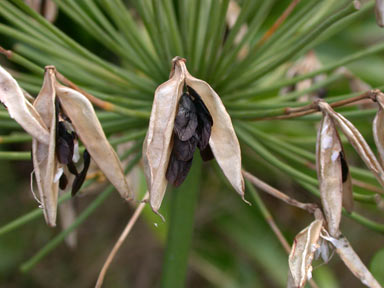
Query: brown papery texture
223, 142
353, 261
302, 254
357, 141
330, 173
46, 167
20, 109
87, 126
158, 141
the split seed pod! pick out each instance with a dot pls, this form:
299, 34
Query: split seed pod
159, 142
302, 253
53, 146
378, 127
11, 95
333, 174
357, 141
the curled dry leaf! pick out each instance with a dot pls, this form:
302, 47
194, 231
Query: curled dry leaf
352, 260
302, 253
87, 126
333, 174
379, 10
20, 109
47, 169
159, 143
357, 140
378, 127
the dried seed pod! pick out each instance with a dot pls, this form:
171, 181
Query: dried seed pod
47, 169
352, 260
166, 159
378, 127
357, 140
84, 120
379, 11
333, 174
20, 109
302, 254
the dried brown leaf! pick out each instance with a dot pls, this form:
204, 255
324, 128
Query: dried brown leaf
87, 126
20, 109
357, 141
302, 254
46, 167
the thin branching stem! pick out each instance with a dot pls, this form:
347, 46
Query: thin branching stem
132, 221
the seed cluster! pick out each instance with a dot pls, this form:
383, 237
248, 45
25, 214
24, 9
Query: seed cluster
65, 149
192, 129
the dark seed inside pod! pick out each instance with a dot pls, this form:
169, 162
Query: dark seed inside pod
207, 154
177, 170
186, 118
64, 144
192, 129
344, 167
79, 180
183, 150
205, 120
63, 182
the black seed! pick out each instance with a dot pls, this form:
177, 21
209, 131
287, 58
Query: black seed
64, 144
63, 182
205, 124
72, 168
344, 167
177, 170
186, 119
79, 180
207, 154
183, 150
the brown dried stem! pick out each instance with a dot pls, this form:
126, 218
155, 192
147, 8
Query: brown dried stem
278, 22
120, 241
294, 112
278, 194
98, 102
7, 53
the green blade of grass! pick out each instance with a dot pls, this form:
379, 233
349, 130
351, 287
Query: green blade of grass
184, 200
